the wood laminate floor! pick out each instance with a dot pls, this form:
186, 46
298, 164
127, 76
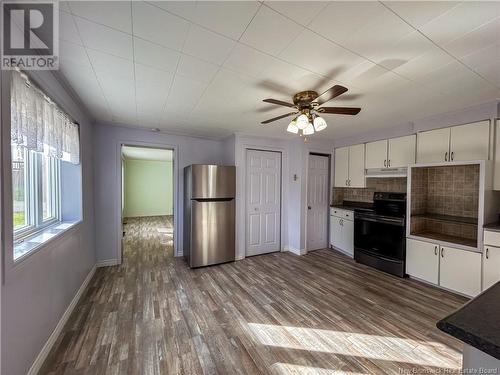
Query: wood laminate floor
279, 314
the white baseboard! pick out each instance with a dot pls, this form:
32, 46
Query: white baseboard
107, 263
42, 356
295, 251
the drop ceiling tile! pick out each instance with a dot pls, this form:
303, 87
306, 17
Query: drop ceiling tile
460, 20
184, 94
229, 18
400, 51
146, 119
486, 35
156, 56
158, 26
67, 28
484, 56
302, 12
340, 20
196, 69
319, 55
115, 14
105, 39
184, 9
247, 60
207, 45
72, 53
422, 65
418, 13
270, 32
151, 78
105, 64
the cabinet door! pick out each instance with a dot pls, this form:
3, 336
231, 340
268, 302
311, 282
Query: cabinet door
348, 236
376, 154
357, 166
491, 266
401, 151
460, 270
470, 142
433, 146
341, 166
336, 233
422, 260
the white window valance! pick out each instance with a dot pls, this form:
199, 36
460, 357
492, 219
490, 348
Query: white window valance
38, 124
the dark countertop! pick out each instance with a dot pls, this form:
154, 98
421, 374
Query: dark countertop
477, 323
353, 205
494, 227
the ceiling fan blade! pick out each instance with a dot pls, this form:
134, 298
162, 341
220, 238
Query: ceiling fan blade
278, 118
339, 110
279, 102
331, 93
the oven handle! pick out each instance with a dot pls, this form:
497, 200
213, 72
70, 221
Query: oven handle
382, 221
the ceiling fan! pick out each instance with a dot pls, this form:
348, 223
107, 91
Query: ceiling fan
308, 106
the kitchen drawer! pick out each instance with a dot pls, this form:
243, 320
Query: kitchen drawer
492, 238
343, 214
349, 215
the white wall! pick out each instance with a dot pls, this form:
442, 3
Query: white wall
107, 141
36, 292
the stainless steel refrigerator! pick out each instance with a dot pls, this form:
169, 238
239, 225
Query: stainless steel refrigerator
209, 213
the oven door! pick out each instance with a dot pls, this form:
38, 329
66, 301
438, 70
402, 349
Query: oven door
380, 236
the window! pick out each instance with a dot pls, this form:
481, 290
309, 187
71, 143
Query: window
46, 171
35, 191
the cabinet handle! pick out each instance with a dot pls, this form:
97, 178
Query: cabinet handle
385, 163
349, 182
435, 250
389, 162
446, 156
452, 156
487, 253
442, 252
346, 182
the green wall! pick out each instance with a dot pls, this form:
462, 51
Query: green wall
148, 188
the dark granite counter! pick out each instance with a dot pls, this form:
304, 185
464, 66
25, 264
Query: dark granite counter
477, 323
494, 227
353, 205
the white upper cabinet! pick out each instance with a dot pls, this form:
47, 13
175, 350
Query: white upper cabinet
341, 167
350, 166
376, 154
357, 166
401, 151
470, 142
433, 146
458, 143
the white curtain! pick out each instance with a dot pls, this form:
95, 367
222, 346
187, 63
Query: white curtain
39, 124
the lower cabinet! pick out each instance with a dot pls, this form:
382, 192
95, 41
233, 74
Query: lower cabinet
460, 270
449, 267
342, 234
422, 260
491, 266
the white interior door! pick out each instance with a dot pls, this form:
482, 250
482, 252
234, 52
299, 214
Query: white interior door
317, 202
263, 202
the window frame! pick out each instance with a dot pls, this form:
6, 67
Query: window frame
35, 222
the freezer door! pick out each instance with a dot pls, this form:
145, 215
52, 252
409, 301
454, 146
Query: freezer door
213, 181
212, 232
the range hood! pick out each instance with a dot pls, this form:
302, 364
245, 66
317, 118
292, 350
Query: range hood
386, 172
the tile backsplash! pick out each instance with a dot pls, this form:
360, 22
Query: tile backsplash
373, 184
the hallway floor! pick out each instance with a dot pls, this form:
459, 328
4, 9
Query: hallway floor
279, 313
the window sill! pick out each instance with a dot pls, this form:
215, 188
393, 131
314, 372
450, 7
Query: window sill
30, 244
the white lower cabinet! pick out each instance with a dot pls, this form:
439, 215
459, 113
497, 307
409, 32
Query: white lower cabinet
455, 269
342, 231
422, 260
460, 270
491, 266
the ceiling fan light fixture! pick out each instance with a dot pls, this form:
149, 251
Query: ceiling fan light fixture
292, 127
302, 121
319, 124
309, 130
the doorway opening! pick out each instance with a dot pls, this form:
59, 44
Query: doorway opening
147, 179
318, 201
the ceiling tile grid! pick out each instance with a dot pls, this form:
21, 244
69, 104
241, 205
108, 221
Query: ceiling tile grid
203, 66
